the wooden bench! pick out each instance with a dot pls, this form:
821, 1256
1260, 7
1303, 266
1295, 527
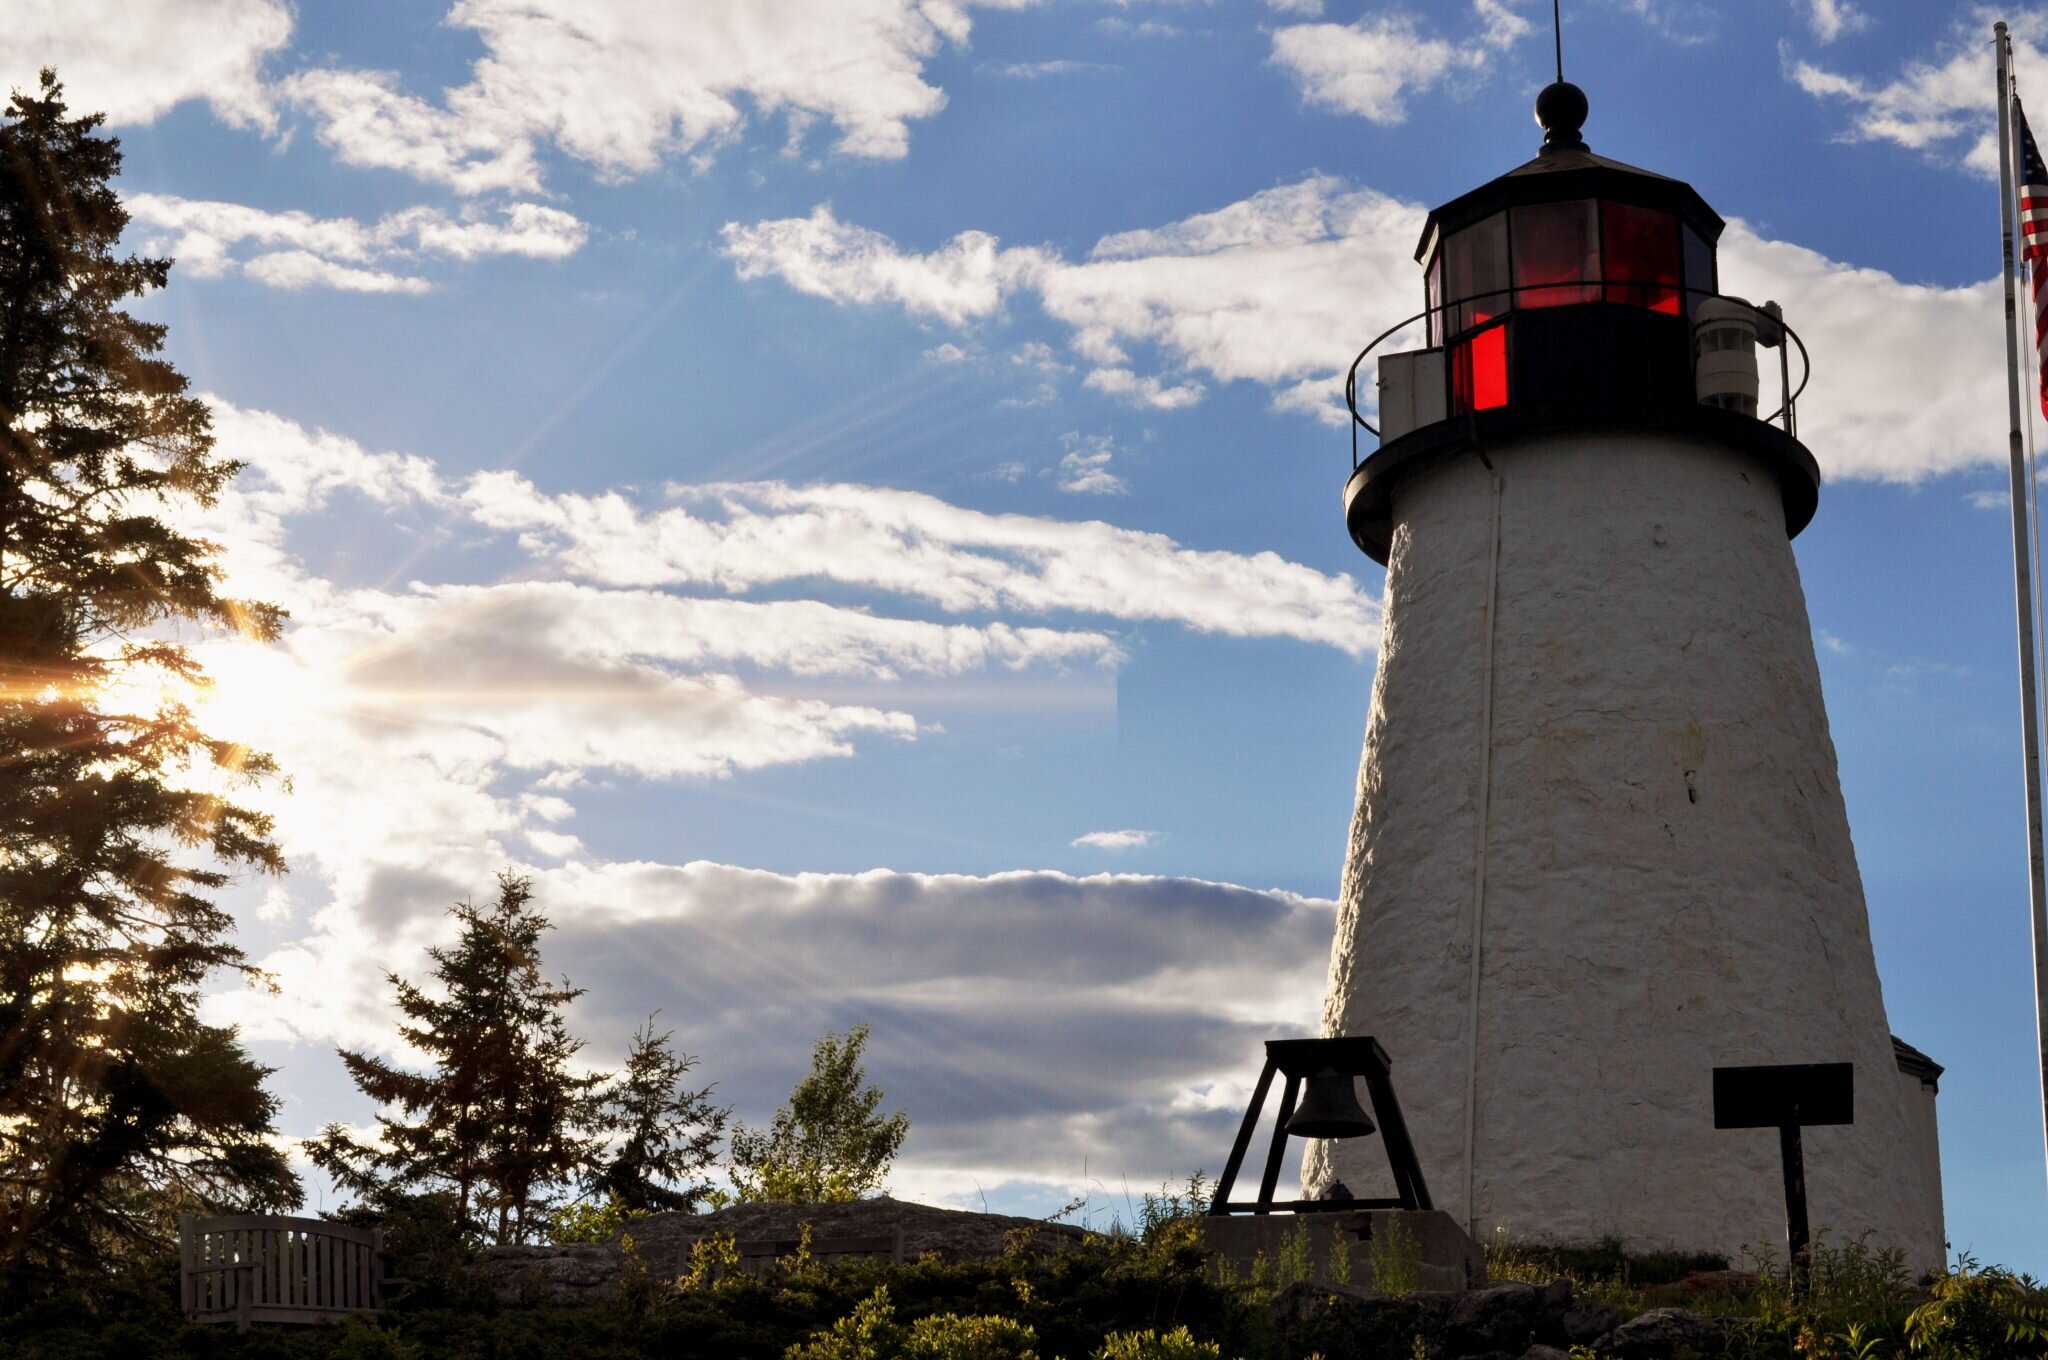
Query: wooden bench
757, 1255
269, 1268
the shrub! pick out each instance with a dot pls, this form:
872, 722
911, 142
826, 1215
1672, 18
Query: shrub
1177, 1344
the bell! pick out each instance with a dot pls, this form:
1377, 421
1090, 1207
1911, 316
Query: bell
1329, 1108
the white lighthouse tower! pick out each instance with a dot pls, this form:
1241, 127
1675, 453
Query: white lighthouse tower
1599, 846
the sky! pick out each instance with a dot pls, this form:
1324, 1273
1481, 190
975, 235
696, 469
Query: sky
845, 495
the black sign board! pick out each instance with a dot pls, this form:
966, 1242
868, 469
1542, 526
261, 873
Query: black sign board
1786, 1097
1799, 1093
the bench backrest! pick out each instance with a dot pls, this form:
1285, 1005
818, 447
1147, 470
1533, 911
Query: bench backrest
270, 1268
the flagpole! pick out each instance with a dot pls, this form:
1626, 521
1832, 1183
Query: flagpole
2030, 734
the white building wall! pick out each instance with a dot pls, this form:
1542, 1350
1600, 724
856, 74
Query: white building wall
1668, 879
1917, 1098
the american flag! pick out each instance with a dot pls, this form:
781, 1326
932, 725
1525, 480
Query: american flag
2034, 237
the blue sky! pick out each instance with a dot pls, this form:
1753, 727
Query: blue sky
845, 492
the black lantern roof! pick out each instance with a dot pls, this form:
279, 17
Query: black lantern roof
1562, 297
1565, 169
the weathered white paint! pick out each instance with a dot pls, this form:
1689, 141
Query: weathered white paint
1670, 884
1916, 1097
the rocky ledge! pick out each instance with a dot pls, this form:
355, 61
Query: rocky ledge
587, 1272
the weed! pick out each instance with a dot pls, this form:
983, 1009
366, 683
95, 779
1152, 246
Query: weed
713, 1261
1980, 1311
1395, 1257
1297, 1255
1340, 1255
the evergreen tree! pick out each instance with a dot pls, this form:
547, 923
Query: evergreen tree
500, 1121
828, 1144
116, 1104
665, 1132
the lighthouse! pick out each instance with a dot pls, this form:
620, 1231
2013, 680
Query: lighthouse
1599, 848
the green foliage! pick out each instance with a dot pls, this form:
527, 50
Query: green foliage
589, 1221
1340, 1255
948, 1336
871, 1332
1063, 1306
118, 1108
662, 1133
1177, 1344
1980, 1311
1395, 1257
1297, 1255
713, 1260
500, 1120
1160, 1212
829, 1144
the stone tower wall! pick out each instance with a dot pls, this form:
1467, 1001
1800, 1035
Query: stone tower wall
1665, 875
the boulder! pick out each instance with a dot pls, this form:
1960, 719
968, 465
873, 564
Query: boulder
1501, 1318
1665, 1334
1588, 1322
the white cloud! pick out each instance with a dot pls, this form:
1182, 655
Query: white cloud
366, 120
1115, 840
1369, 66
1942, 105
341, 252
1263, 289
622, 84
1143, 390
1908, 380
1500, 26
948, 353
1312, 8
1038, 70
991, 997
1830, 19
1907, 377
820, 255
1084, 467
441, 729
1141, 28
906, 543
1365, 67
135, 60
296, 269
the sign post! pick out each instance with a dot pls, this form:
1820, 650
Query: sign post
1787, 1097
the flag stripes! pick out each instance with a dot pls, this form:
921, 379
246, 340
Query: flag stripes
2034, 239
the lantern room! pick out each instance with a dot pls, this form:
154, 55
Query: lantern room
1572, 292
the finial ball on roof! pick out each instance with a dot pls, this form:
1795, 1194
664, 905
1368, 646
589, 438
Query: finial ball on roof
1561, 111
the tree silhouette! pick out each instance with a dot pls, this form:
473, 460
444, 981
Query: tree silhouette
116, 1103
665, 1132
500, 1121
828, 1144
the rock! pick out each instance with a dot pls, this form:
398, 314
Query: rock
1344, 1322
575, 1274
1589, 1322
1539, 1351
1557, 1296
1500, 1318
1304, 1301
587, 1272
1665, 1334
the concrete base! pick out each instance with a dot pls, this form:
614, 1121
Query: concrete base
1444, 1257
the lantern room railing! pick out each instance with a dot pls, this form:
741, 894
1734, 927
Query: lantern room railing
1603, 288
